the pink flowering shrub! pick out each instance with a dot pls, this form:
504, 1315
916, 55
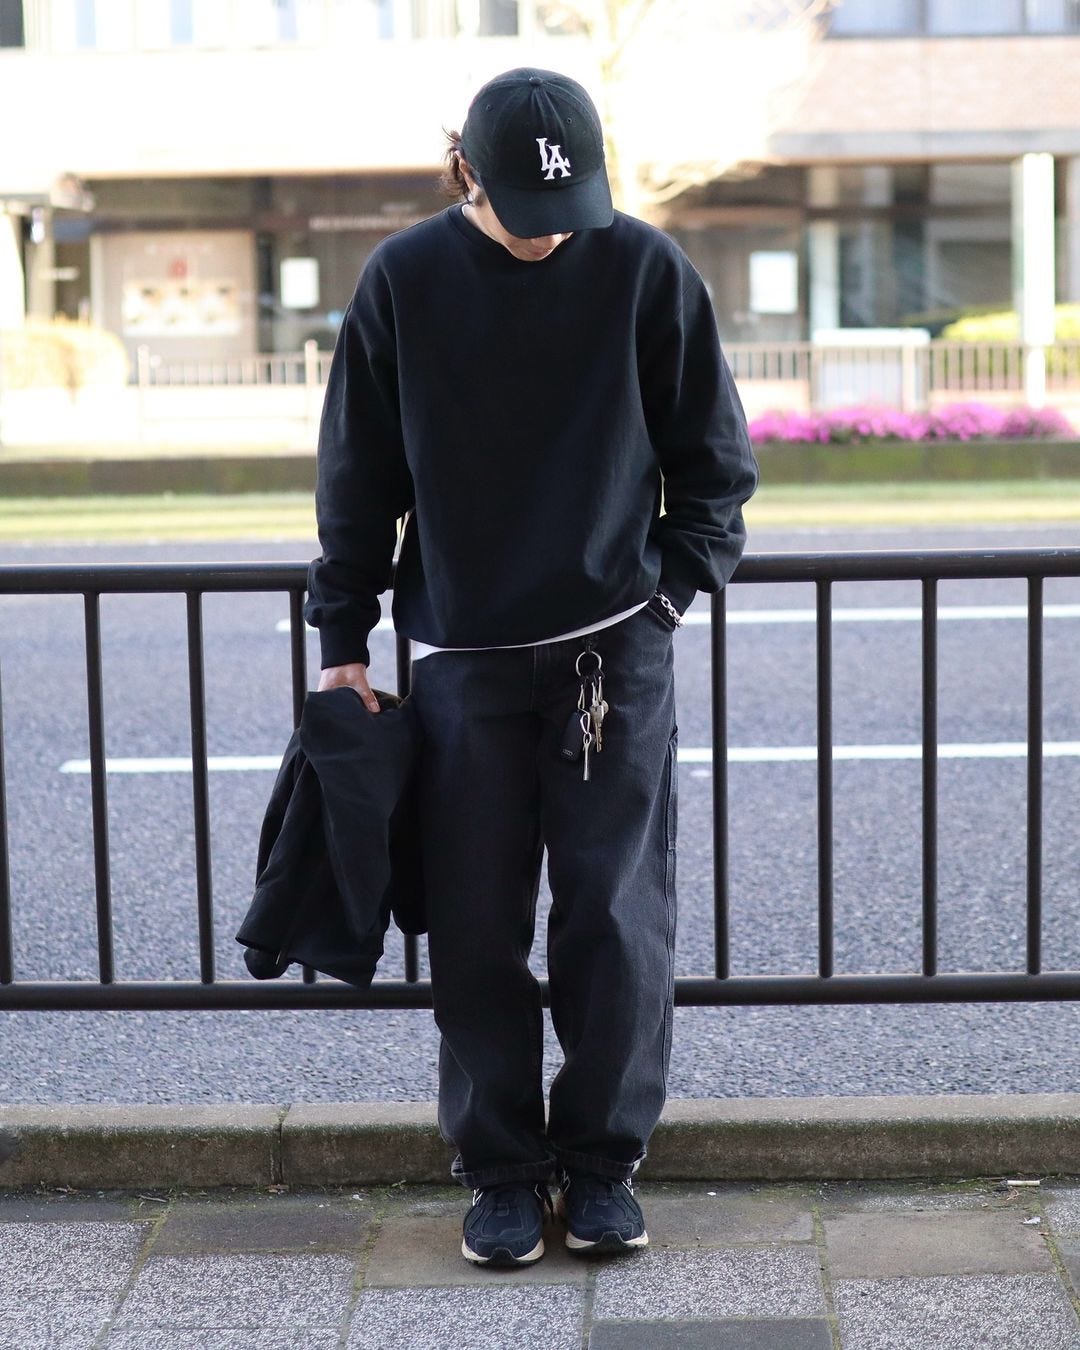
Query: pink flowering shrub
957, 422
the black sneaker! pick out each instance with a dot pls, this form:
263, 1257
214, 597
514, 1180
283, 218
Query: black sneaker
601, 1214
505, 1226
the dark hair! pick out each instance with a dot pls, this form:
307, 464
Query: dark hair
452, 181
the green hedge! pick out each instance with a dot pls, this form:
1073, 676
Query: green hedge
911, 461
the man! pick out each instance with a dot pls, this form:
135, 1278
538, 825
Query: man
522, 375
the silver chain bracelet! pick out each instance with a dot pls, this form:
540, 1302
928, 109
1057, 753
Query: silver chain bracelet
670, 608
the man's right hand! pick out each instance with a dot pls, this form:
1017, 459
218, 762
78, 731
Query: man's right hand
354, 676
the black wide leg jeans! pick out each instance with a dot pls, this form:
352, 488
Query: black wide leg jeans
494, 790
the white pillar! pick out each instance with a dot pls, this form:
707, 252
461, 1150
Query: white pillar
403, 18
1034, 265
41, 270
1070, 276
12, 281
823, 251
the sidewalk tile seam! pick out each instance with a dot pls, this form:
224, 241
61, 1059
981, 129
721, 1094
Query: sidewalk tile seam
825, 1273
142, 1255
360, 1285
1071, 1287
706, 1318
588, 1303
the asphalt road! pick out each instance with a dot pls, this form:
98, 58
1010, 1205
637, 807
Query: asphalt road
317, 1056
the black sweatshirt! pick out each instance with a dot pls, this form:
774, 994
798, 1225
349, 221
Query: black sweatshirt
525, 414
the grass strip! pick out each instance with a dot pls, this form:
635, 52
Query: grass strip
291, 515
1016, 502
272, 515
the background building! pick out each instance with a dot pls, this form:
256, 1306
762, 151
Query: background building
206, 177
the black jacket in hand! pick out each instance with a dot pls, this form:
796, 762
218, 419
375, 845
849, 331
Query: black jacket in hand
338, 852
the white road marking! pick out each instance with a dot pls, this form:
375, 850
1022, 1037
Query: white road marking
754, 754
180, 764
898, 614
867, 614
285, 626
807, 754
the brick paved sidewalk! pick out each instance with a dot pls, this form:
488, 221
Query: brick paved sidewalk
771, 1266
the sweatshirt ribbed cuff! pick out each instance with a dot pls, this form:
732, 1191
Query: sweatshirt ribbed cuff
342, 647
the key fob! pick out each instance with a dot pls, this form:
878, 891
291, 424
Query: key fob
573, 741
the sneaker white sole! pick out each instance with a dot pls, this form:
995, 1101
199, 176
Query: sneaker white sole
501, 1257
610, 1242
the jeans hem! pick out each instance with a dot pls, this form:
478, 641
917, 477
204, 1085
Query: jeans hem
476, 1177
572, 1161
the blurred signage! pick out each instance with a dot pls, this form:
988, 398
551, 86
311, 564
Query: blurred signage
299, 283
180, 306
383, 222
774, 282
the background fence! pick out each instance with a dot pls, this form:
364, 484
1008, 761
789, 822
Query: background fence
275, 400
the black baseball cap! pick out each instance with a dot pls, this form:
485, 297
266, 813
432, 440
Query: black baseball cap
535, 141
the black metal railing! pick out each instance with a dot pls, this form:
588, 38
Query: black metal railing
823, 570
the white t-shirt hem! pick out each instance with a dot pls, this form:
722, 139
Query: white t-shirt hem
422, 649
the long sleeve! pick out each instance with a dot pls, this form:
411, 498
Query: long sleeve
699, 430
364, 485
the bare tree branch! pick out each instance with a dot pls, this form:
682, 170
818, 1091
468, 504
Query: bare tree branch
691, 89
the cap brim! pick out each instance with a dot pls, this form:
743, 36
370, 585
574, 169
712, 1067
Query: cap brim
532, 213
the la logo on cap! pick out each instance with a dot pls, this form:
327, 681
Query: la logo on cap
552, 158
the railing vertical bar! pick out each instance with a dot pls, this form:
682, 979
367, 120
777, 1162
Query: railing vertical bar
200, 786
298, 661
7, 962
929, 775
99, 801
1035, 775
721, 875
403, 655
825, 777
298, 652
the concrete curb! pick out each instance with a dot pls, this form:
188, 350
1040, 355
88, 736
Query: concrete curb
379, 1143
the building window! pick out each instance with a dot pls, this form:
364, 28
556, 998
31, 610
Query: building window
880, 18
181, 23
498, 18
487, 18
85, 23
953, 18
949, 18
286, 20
1053, 16
12, 32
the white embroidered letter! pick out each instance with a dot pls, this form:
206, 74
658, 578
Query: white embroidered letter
552, 158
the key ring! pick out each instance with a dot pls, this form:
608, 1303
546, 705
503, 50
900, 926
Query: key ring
588, 652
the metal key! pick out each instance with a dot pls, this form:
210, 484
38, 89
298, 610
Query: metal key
587, 740
598, 709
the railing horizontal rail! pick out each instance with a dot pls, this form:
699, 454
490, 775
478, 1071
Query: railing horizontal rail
690, 991
904, 565
143, 578
877, 565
